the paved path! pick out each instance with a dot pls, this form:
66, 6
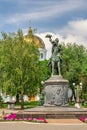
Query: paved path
37, 126
55, 109
65, 121
53, 124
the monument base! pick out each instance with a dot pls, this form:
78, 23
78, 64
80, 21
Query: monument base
52, 112
56, 91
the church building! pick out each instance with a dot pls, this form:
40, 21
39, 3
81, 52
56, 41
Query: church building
38, 41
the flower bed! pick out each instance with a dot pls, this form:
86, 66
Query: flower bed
83, 119
12, 117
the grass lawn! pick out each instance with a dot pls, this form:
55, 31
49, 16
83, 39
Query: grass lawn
26, 104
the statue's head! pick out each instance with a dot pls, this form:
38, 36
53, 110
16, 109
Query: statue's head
57, 40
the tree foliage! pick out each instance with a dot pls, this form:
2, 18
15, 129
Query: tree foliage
22, 72
19, 65
74, 65
44, 73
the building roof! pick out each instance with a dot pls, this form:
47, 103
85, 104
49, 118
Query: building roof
30, 37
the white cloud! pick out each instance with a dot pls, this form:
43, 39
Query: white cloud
80, 27
50, 9
74, 32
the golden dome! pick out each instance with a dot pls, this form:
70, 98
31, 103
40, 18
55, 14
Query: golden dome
37, 40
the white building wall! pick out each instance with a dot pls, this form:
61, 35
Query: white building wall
42, 53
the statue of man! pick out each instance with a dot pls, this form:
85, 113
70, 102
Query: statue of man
56, 57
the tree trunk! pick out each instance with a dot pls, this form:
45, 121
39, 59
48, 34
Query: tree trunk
17, 98
22, 100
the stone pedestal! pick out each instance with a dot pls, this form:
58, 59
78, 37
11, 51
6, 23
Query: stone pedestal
11, 105
56, 91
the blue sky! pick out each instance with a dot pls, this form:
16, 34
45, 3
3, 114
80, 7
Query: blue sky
45, 15
66, 19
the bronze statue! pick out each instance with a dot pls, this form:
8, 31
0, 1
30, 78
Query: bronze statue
56, 57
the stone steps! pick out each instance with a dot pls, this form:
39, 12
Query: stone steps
55, 113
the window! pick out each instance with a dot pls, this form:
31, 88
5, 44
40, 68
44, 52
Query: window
41, 55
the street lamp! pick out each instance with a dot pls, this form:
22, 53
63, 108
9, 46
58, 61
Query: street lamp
78, 91
80, 85
74, 84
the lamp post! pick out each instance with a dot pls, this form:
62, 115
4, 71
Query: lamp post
74, 92
78, 91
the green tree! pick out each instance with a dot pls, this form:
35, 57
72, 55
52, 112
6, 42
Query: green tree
19, 65
44, 73
73, 56
83, 76
74, 65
